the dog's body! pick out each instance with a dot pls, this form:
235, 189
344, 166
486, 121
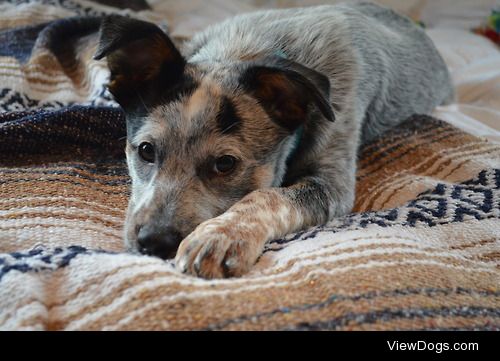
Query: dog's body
241, 146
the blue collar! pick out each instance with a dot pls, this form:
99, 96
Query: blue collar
281, 54
296, 142
300, 130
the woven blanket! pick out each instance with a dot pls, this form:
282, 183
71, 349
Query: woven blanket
421, 249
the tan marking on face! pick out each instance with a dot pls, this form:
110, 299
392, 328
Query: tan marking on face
153, 128
264, 176
207, 91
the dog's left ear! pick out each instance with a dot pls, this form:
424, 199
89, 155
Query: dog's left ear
141, 58
286, 90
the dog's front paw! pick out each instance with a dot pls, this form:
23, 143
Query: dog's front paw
217, 249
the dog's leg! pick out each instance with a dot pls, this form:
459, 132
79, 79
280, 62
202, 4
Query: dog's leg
230, 244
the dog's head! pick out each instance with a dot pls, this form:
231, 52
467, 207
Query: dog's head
200, 136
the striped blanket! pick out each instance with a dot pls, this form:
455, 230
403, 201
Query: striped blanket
420, 251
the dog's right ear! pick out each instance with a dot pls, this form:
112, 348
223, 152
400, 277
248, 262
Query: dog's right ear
141, 57
286, 89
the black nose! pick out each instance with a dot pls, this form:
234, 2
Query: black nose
159, 242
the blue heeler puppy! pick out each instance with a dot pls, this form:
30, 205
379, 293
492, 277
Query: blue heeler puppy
251, 131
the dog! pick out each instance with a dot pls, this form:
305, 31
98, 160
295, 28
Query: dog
251, 132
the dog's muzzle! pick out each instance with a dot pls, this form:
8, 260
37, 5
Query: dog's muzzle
159, 242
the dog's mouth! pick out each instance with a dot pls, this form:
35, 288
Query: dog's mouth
159, 252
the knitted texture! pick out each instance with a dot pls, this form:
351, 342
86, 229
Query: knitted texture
420, 251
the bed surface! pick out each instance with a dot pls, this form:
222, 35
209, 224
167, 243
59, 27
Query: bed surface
420, 251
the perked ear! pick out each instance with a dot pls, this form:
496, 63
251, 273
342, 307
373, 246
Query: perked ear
286, 90
140, 56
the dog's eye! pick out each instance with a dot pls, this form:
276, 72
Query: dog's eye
147, 152
224, 164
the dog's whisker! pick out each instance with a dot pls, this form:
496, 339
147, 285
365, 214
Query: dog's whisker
143, 102
228, 128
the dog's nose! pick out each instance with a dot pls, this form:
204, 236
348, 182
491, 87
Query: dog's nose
159, 242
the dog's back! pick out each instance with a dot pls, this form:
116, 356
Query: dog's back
404, 73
